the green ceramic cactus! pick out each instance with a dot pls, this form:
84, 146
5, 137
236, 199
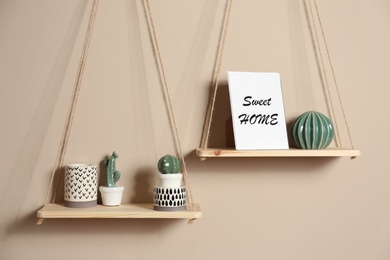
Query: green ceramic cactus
112, 174
169, 164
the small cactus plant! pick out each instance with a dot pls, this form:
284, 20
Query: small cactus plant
169, 164
112, 174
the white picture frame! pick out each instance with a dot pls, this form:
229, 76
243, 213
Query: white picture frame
257, 110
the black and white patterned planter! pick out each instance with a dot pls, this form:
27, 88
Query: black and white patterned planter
81, 185
169, 199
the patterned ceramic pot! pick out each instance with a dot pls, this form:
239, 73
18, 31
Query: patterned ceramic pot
169, 199
312, 130
81, 182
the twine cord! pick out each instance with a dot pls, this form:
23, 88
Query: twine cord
168, 100
328, 93
333, 114
59, 163
216, 74
334, 75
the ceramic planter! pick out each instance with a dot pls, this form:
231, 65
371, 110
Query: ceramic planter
169, 199
169, 194
111, 196
80, 185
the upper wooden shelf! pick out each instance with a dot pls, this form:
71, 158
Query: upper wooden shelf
130, 210
230, 152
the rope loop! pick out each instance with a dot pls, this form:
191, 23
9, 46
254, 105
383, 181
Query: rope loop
59, 163
315, 12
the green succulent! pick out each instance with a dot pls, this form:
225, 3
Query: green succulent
112, 174
169, 164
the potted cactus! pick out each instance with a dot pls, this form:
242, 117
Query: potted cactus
169, 194
111, 193
169, 167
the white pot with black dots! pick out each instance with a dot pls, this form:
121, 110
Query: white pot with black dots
169, 194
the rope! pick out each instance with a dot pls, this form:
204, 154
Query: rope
334, 76
215, 81
59, 163
168, 99
329, 99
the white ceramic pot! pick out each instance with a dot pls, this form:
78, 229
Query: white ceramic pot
111, 196
170, 180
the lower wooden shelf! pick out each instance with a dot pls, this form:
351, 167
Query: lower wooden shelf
230, 152
131, 210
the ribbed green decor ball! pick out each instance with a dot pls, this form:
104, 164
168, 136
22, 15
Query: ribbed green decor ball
312, 130
168, 164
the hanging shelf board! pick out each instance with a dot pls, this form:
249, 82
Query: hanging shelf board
230, 152
206, 152
127, 210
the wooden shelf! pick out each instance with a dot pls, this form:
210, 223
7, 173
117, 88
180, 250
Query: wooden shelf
230, 152
131, 210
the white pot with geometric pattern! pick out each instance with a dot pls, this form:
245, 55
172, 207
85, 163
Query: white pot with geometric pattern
81, 185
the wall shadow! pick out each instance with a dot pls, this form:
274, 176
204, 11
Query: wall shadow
27, 226
143, 185
221, 113
220, 136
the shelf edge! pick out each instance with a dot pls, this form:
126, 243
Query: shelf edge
129, 210
229, 152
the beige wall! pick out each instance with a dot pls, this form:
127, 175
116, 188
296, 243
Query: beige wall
277, 208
